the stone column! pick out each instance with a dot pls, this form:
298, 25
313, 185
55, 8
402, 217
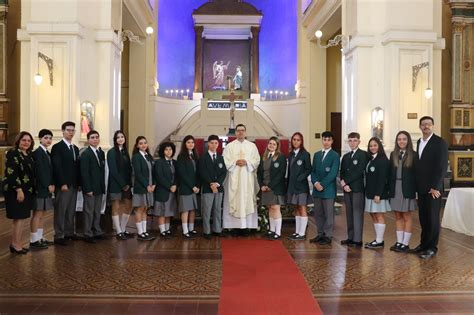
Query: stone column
255, 58
198, 59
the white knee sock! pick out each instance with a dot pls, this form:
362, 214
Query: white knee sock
144, 226
303, 223
162, 228
185, 228
40, 233
124, 221
167, 226
139, 228
116, 222
33, 237
272, 224
400, 237
406, 238
297, 223
379, 231
191, 226
277, 223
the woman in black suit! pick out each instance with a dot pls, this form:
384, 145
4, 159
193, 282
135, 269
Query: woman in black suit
188, 180
403, 188
271, 178
19, 187
120, 184
376, 190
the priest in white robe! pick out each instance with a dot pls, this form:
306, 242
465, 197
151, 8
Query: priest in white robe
241, 186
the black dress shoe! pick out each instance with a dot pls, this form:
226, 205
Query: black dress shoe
193, 232
74, 237
416, 250
100, 237
297, 237
395, 246
164, 235
346, 242
269, 234
45, 241
217, 234
188, 236
374, 245
274, 237
325, 241
38, 245
90, 240
402, 248
128, 234
316, 239
61, 241
13, 250
207, 236
355, 244
427, 254
121, 237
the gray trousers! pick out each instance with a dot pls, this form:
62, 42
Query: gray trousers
211, 203
324, 216
64, 213
354, 202
91, 210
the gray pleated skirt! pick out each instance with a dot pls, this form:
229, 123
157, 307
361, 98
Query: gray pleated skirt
399, 203
167, 208
303, 199
187, 202
269, 198
372, 207
44, 204
142, 200
121, 195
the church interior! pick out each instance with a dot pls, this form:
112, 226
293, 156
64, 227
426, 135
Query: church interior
165, 69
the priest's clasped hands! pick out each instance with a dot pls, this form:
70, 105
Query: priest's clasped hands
241, 162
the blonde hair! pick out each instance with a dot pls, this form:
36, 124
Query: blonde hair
277, 152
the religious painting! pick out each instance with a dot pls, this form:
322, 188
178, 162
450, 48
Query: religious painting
226, 65
87, 118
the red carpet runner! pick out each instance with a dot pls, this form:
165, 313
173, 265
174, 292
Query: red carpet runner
260, 277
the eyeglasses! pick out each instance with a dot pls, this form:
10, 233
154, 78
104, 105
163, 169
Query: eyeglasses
70, 130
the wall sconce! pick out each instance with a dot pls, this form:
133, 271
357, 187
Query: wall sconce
377, 122
49, 62
340, 39
415, 70
149, 30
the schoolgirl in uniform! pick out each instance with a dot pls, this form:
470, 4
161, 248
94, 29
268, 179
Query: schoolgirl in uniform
376, 190
188, 186
165, 179
120, 184
271, 178
403, 189
299, 168
143, 187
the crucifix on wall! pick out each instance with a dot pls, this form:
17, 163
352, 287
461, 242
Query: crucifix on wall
232, 97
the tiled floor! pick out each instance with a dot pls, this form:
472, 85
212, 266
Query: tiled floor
183, 277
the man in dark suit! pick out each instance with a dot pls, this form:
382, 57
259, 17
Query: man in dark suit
65, 159
352, 182
430, 171
93, 186
212, 172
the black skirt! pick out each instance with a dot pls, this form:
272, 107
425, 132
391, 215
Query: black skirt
18, 210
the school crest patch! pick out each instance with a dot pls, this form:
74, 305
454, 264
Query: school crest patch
299, 162
372, 168
355, 162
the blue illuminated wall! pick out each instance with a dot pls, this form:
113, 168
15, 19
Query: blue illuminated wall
278, 43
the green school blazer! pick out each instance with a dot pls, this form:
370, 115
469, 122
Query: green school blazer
277, 175
163, 179
325, 172
43, 172
141, 173
377, 172
210, 172
299, 168
120, 170
353, 169
93, 171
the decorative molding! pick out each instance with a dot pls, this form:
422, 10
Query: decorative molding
142, 14
54, 29
318, 15
109, 36
409, 36
228, 19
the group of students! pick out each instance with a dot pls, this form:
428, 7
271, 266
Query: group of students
39, 180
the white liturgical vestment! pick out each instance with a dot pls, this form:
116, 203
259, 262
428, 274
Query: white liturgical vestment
241, 186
